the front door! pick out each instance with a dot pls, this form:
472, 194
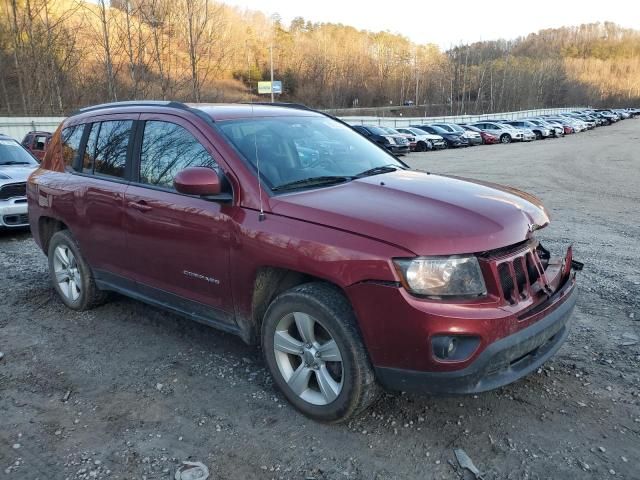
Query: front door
179, 244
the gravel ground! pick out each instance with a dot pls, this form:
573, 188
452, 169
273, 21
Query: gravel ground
129, 391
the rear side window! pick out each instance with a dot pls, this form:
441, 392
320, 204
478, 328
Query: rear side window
71, 137
108, 154
168, 148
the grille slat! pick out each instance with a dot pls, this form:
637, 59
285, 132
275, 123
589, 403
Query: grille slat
13, 190
519, 275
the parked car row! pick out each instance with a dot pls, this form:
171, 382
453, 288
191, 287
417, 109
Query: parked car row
435, 136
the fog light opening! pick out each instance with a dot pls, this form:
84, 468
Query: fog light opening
454, 347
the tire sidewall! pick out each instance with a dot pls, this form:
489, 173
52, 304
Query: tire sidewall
292, 302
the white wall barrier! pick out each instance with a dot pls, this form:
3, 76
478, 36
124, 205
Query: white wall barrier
17, 127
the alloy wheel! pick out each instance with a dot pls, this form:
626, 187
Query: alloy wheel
67, 273
308, 358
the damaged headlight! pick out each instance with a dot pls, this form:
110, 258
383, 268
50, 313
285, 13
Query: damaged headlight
457, 276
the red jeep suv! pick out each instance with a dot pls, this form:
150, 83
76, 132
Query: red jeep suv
285, 226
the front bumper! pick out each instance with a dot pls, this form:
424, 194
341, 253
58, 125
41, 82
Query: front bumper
501, 363
398, 148
13, 213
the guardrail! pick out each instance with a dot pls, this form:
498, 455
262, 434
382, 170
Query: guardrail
17, 127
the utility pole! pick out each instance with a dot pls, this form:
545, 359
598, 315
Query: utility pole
271, 61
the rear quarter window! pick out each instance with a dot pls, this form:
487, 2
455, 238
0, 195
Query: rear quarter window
71, 138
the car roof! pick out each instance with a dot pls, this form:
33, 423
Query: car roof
215, 111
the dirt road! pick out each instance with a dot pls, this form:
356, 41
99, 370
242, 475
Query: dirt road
128, 391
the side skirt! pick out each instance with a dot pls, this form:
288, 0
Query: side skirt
184, 307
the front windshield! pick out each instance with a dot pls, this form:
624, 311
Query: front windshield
438, 129
292, 149
377, 130
389, 130
456, 128
446, 128
12, 153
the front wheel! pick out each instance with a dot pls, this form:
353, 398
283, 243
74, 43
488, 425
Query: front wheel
505, 138
314, 351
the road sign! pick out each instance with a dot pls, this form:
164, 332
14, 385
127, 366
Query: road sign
265, 87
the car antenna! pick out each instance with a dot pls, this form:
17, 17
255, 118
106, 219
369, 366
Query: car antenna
261, 215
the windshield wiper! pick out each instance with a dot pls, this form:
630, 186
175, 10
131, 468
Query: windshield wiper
378, 170
312, 182
15, 163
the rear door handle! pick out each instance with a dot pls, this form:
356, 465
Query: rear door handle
140, 206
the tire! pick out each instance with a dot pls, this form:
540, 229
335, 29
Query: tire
421, 146
505, 138
297, 333
538, 135
70, 274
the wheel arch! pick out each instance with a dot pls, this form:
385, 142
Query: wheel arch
47, 227
269, 282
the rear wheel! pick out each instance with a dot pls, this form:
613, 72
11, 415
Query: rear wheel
313, 349
70, 275
505, 138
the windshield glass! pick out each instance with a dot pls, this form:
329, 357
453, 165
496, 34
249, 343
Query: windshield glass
390, 130
456, 128
438, 129
446, 128
297, 148
12, 153
376, 130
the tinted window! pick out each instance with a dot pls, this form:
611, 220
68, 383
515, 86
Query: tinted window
168, 148
111, 148
71, 138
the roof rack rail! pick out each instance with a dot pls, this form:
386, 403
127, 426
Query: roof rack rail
298, 106
134, 103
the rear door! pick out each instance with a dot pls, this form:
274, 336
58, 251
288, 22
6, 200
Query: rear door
179, 244
105, 166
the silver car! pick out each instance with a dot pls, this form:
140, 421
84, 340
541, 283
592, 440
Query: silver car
16, 164
504, 132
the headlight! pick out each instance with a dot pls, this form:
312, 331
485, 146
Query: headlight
458, 276
390, 140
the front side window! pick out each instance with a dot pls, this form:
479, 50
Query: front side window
293, 149
110, 154
168, 148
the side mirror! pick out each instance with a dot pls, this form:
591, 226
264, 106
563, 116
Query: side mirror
198, 181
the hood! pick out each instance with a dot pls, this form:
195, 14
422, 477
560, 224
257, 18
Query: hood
423, 213
15, 173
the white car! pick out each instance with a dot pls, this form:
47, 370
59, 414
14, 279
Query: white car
16, 164
424, 140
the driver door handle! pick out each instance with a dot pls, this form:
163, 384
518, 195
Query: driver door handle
140, 206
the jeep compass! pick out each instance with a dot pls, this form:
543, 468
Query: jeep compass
290, 229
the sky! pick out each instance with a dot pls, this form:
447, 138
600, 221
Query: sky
448, 23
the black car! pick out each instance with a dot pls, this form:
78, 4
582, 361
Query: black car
453, 139
396, 144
